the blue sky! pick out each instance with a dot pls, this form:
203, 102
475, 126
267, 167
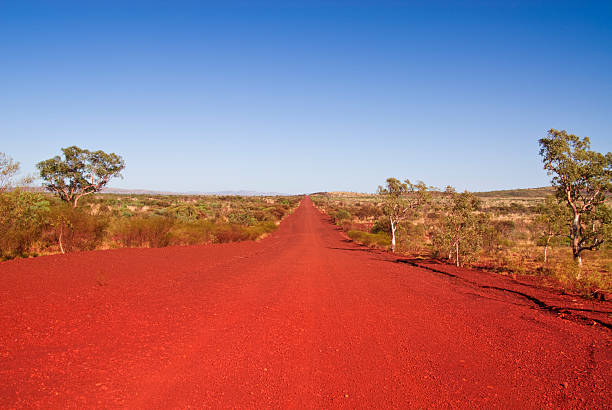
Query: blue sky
305, 96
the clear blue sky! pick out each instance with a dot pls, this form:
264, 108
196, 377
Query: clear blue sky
293, 96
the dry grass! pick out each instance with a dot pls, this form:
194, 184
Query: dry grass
513, 250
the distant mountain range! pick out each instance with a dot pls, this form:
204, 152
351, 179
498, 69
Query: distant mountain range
509, 193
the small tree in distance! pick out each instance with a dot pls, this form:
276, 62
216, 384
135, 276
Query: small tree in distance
582, 179
551, 221
462, 226
402, 200
8, 169
81, 172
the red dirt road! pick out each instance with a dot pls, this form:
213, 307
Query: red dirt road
301, 319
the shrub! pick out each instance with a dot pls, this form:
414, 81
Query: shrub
142, 231
191, 233
380, 239
23, 216
367, 211
242, 218
75, 229
231, 233
382, 225
235, 233
340, 215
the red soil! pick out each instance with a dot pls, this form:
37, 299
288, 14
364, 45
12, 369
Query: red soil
303, 318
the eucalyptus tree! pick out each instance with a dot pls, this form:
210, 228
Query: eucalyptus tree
551, 221
81, 172
8, 169
402, 200
582, 179
462, 225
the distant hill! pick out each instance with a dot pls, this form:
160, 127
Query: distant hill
540, 192
506, 193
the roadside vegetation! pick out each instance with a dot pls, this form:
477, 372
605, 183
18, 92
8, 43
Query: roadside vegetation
69, 218
561, 234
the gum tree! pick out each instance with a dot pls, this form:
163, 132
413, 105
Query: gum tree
551, 221
462, 225
402, 200
81, 172
8, 170
582, 179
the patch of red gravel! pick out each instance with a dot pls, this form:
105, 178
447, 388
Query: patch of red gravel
303, 318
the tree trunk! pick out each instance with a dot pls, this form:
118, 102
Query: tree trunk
457, 250
60, 239
575, 238
546, 249
393, 227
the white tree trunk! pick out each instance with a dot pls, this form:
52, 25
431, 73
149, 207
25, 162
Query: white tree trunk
457, 250
60, 240
393, 227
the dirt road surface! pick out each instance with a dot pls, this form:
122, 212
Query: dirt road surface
301, 319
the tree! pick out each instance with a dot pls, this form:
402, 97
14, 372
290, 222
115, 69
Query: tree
402, 200
550, 222
81, 172
8, 170
462, 227
582, 179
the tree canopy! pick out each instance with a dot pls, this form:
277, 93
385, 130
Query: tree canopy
582, 179
401, 200
81, 172
8, 170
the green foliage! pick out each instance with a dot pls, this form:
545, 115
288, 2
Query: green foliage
242, 218
80, 172
341, 215
380, 239
23, 216
235, 233
381, 225
462, 228
551, 221
185, 211
402, 200
582, 178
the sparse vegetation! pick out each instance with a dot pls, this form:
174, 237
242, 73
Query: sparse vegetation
522, 231
34, 223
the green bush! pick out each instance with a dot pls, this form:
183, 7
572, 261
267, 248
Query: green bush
191, 233
380, 239
340, 215
235, 233
382, 225
23, 216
